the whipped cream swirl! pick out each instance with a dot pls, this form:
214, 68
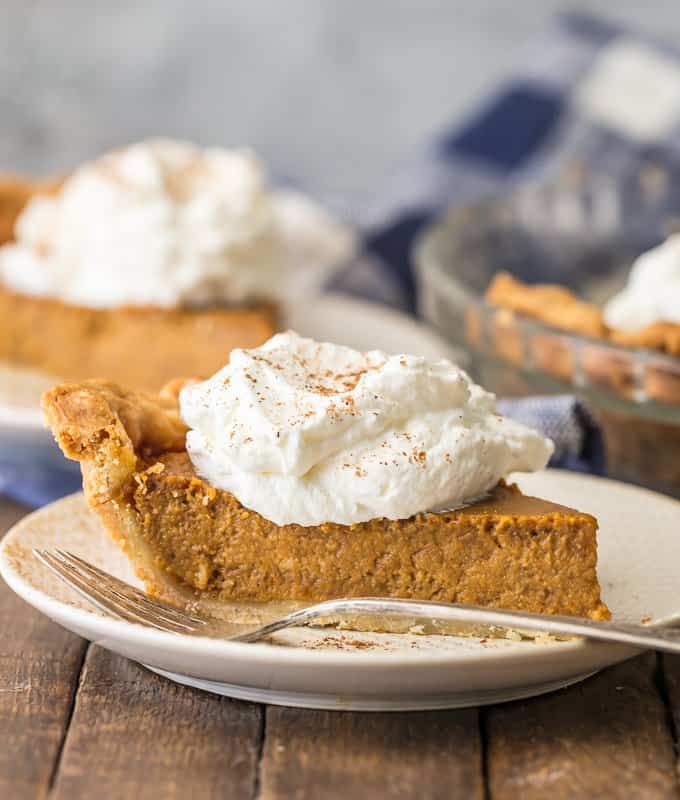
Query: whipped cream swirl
165, 223
653, 290
306, 432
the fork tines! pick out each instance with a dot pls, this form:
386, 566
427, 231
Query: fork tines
116, 597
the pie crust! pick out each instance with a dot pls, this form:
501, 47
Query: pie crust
553, 305
561, 308
189, 541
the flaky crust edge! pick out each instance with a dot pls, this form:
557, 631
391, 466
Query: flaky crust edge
108, 429
560, 308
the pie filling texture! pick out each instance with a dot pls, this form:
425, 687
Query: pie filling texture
188, 540
141, 347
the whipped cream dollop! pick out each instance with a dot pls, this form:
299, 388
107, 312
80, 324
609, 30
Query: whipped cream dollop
166, 223
307, 432
652, 293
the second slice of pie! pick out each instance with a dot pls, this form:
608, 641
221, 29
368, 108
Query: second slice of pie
154, 261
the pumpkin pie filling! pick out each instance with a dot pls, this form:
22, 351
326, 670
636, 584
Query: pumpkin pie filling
500, 552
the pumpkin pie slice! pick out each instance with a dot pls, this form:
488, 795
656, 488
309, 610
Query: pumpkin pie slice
143, 347
189, 541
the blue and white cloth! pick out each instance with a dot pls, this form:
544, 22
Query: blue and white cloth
587, 92
564, 419
36, 484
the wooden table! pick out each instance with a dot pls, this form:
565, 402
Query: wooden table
79, 722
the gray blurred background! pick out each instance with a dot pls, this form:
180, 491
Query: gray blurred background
335, 93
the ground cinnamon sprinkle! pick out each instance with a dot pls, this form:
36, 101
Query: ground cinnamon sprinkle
343, 643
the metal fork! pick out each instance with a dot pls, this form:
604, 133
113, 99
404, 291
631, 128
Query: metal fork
119, 599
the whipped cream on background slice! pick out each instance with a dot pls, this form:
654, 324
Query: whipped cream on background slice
653, 290
165, 223
306, 432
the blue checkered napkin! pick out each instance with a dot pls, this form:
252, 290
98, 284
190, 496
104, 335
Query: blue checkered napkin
35, 485
587, 92
565, 420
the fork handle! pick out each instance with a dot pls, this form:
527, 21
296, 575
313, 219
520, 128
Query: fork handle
648, 638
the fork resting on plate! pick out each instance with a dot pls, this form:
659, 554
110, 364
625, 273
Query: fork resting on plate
124, 601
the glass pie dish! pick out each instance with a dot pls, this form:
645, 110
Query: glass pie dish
582, 231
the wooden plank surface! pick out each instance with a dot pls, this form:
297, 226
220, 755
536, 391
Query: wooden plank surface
136, 735
608, 737
324, 755
39, 667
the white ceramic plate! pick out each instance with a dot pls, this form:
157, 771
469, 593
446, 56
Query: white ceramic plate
639, 559
28, 448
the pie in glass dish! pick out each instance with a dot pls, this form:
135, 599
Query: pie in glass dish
562, 309
625, 354
354, 475
644, 315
